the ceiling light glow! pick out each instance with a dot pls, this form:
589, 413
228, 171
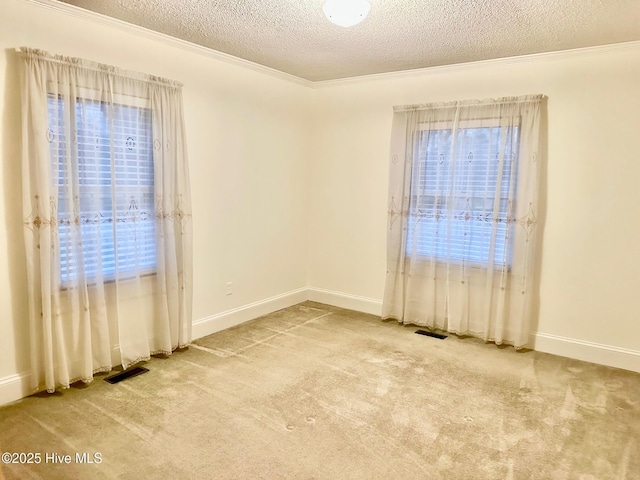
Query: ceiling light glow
346, 13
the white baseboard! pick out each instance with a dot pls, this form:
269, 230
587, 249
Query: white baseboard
345, 300
231, 318
588, 351
15, 387
562, 346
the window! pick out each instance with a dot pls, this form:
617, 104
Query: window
114, 158
456, 202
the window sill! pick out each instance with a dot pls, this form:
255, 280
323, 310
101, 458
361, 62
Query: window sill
108, 280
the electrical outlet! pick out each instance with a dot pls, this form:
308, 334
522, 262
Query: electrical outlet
229, 288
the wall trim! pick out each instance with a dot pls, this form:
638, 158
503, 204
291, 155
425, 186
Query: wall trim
601, 354
126, 27
14, 387
231, 318
345, 300
17, 386
558, 55
130, 28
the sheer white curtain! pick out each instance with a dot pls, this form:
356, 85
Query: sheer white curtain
107, 210
463, 199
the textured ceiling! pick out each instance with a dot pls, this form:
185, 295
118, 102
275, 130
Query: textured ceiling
293, 36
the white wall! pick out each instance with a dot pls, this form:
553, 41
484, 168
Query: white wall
590, 256
247, 142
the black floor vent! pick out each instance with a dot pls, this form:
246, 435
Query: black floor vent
431, 334
131, 372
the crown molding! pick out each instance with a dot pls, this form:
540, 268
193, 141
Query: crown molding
143, 32
98, 18
456, 67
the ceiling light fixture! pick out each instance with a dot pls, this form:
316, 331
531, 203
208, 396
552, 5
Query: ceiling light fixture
346, 13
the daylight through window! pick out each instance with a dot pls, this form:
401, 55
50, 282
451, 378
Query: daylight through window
459, 204
114, 203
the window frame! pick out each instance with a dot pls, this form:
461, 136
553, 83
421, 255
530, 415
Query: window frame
485, 122
82, 94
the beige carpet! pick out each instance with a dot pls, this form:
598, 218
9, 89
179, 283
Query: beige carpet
316, 392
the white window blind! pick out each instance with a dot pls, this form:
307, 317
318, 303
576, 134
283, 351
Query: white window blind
112, 217
460, 205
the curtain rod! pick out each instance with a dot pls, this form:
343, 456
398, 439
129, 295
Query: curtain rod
471, 103
96, 66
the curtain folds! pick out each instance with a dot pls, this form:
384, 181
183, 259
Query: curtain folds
462, 216
107, 211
